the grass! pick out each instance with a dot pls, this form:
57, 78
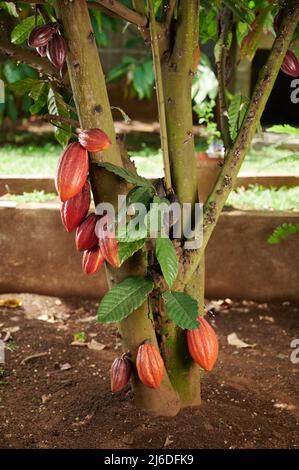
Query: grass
33, 159
260, 198
35, 196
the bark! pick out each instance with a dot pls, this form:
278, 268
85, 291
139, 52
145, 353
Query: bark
90, 95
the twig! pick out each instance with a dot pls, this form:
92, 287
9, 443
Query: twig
170, 11
236, 154
160, 94
121, 10
64, 120
33, 356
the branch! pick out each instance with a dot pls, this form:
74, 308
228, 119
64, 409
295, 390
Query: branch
221, 63
28, 57
63, 120
160, 93
170, 11
121, 10
237, 153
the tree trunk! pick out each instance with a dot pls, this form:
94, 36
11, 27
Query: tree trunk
90, 95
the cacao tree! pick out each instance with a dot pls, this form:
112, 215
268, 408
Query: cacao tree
156, 294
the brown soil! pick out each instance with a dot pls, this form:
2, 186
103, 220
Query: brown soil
250, 400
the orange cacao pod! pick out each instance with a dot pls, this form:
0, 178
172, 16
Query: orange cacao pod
72, 170
85, 234
74, 210
57, 50
120, 373
203, 345
150, 365
108, 242
92, 261
41, 35
290, 65
94, 140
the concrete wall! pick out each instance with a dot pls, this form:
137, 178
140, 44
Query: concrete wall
37, 255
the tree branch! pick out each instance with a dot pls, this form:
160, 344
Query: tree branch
121, 10
170, 11
237, 153
63, 120
28, 57
221, 63
160, 93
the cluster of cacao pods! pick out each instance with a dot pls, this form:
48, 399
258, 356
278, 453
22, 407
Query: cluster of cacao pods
203, 345
74, 191
48, 42
149, 365
290, 65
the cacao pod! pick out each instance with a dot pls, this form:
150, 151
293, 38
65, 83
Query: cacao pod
290, 65
57, 50
42, 50
85, 234
108, 242
120, 373
94, 140
203, 345
150, 365
92, 261
277, 21
41, 35
74, 210
72, 170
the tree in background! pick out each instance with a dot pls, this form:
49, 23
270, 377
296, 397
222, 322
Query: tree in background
156, 286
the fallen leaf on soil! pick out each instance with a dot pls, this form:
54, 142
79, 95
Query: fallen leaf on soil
65, 366
266, 318
47, 317
46, 398
284, 406
10, 303
11, 329
168, 441
79, 343
96, 346
233, 340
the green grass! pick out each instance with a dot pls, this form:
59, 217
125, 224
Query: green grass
33, 159
261, 198
35, 196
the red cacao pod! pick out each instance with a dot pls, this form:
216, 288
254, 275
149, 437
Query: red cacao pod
107, 241
94, 140
150, 365
41, 35
290, 65
203, 345
72, 170
57, 50
120, 373
277, 21
85, 234
42, 50
74, 210
92, 261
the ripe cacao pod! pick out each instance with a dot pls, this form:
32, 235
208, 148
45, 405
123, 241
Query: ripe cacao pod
203, 345
277, 21
42, 50
150, 365
94, 140
108, 241
57, 50
74, 210
290, 65
41, 35
85, 234
72, 170
92, 260
120, 373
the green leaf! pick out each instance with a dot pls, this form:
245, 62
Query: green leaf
126, 174
57, 106
182, 309
10, 8
23, 87
123, 299
141, 194
236, 113
21, 32
168, 260
39, 94
127, 249
284, 129
282, 233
